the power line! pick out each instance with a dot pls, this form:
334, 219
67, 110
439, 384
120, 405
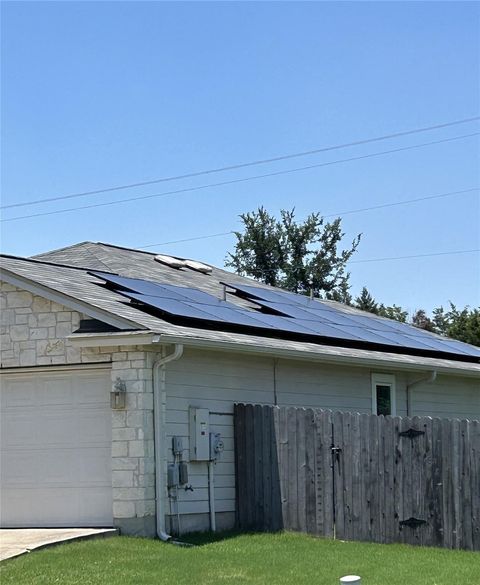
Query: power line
242, 180
244, 165
395, 258
383, 205
413, 256
188, 239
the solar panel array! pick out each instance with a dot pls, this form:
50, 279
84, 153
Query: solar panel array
283, 312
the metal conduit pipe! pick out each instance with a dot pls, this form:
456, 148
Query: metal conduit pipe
211, 496
427, 380
158, 425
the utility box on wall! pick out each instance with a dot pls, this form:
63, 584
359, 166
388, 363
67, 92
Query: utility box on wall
199, 434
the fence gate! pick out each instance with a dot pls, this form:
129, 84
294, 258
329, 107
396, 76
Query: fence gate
358, 476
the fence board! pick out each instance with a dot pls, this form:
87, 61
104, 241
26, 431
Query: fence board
310, 472
375, 478
324, 473
475, 482
301, 502
276, 522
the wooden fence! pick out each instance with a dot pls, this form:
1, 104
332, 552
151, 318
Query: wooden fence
358, 476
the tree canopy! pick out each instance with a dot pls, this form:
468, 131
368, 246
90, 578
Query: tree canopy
303, 257
306, 258
463, 325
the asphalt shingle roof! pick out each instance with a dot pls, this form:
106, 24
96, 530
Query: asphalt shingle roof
66, 271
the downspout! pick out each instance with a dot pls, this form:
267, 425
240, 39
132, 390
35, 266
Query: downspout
159, 376
427, 380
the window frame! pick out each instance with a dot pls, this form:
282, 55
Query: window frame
384, 380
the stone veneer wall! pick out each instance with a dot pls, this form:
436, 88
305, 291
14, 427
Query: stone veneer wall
33, 333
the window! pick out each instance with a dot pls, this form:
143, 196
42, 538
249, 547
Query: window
383, 394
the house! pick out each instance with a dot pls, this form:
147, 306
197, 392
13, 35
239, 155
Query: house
113, 379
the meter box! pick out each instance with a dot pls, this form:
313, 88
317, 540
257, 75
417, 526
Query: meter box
172, 475
216, 446
199, 434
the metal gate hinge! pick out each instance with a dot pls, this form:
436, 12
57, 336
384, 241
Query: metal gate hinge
411, 433
412, 522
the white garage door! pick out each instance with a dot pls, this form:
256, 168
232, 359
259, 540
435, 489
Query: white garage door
55, 466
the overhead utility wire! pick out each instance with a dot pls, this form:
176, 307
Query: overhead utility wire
414, 256
407, 201
244, 165
244, 179
396, 258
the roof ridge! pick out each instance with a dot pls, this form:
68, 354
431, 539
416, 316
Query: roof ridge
78, 244
108, 245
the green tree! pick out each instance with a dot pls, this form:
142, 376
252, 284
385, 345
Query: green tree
393, 312
440, 321
422, 321
366, 302
463, 325
297, 256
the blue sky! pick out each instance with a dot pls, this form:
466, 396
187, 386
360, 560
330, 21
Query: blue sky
100, 94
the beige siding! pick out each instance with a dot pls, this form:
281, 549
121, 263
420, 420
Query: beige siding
448, 397
216, 380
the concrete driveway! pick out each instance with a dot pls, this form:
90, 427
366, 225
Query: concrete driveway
17, 541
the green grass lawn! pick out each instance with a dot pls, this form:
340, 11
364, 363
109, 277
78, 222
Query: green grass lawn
272, 559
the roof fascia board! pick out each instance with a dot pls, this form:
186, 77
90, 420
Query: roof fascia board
324, 355
62, 299
113, 339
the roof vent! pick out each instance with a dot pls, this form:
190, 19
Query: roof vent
198, 266
170, 261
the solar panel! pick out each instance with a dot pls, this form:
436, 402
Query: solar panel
163, 290
295, 314
369, 328
309, 313
172, 306
270, 295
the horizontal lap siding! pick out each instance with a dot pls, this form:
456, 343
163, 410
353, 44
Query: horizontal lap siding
448, 397
216, 380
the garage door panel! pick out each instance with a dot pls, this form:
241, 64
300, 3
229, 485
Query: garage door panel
57, 469
86, 395
19, 469
18, 393
59, 429
17, 431
56, 449
94, 428
92, 505
66, 507
56, 392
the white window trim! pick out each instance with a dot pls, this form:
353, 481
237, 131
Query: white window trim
384, 380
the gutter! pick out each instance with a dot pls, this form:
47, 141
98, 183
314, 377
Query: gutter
427, 380
334, 355
110, 339
159, 372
